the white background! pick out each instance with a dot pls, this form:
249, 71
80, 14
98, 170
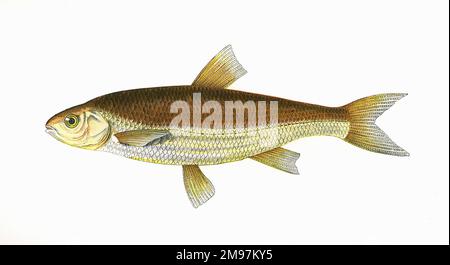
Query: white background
56, 54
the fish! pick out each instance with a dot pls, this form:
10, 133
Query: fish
207, 123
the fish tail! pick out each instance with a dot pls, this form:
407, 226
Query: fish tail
363, 132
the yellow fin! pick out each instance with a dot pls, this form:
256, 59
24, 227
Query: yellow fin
143, 137
221, 71
279, 158
363, 132
197, 185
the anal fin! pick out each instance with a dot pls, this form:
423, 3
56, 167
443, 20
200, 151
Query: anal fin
197, 185
279, 158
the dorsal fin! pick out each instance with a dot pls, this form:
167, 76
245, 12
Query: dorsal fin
221, 71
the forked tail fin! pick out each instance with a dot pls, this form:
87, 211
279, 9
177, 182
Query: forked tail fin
363, 132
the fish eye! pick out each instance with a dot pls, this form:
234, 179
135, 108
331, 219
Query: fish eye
71, 121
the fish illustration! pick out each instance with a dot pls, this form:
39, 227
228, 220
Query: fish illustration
206, 123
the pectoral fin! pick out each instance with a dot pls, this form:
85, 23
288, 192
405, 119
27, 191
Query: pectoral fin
143, 137
279, 158
221, 71
198, 187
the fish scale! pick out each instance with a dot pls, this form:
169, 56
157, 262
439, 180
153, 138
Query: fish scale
205, 146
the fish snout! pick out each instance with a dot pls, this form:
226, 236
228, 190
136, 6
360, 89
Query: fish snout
50, 130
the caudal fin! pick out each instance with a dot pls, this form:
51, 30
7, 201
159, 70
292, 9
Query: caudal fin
364, 132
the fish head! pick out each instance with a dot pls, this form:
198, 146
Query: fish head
80, 126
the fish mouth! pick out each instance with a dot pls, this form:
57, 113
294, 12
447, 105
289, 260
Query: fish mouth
50, 130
